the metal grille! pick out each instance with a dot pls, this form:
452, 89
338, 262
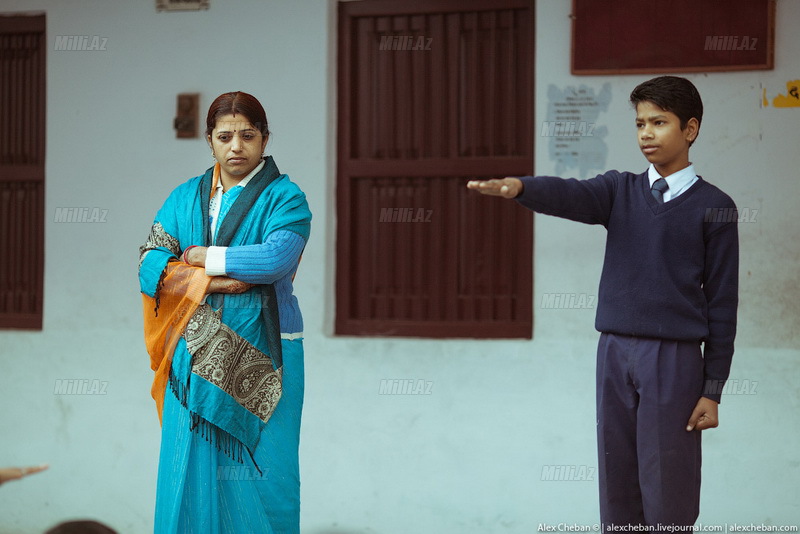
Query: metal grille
433, 94
22, 106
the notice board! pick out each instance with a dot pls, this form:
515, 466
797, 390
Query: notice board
631, 36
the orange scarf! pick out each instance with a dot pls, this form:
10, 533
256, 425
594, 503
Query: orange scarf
180, 293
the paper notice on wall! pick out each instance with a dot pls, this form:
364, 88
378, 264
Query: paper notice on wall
576, 140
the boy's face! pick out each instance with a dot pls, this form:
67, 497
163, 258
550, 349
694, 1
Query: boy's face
661, 139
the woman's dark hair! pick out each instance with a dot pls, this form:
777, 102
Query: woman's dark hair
237, 103
671, 93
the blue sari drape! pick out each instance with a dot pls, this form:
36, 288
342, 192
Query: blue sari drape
205, 484
201, 490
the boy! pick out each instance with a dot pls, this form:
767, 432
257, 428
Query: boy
669, 282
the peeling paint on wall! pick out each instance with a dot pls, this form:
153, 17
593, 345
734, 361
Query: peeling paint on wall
790, 100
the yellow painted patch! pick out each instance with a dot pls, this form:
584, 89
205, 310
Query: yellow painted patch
790, 100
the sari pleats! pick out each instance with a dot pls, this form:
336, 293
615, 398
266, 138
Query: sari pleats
202, 490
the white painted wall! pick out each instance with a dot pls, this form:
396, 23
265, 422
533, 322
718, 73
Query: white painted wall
466, 459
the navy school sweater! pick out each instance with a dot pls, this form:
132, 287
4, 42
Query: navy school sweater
671, 271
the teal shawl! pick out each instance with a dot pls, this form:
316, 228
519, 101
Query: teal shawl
228, 373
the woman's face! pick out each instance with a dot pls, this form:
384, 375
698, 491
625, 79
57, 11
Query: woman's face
237, 145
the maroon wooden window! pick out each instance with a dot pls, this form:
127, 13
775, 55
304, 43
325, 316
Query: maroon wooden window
22, 108
432, 94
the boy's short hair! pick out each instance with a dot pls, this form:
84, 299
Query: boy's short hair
83, 526
671, 93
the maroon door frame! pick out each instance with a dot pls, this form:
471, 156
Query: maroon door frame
403, 158
22, 148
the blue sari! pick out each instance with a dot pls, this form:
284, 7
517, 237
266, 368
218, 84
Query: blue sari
233, 399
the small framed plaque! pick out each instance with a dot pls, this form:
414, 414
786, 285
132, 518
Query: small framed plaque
187, 117
181, 5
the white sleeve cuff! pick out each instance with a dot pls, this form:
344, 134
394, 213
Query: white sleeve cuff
215, 261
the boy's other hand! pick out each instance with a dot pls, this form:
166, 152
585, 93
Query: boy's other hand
704, 415
502, 187
15, 473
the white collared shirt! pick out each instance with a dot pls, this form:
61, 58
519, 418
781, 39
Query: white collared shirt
678, 182
215, 257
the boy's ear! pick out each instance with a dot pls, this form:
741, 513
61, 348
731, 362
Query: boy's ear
691, 130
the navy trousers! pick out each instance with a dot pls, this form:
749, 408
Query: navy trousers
648, 464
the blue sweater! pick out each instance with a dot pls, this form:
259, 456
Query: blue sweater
274, 261
671, 271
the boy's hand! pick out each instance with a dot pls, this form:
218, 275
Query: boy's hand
704, 415
502, 187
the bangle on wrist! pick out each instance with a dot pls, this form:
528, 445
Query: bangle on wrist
183, 256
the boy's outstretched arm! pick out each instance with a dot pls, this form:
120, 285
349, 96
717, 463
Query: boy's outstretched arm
587, 201
503, 187
705, 415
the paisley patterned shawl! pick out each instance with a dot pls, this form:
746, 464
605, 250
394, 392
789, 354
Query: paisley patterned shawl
220, 358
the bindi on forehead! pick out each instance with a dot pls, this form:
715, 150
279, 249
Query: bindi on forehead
234, 122
235, 126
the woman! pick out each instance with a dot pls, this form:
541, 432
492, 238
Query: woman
224, 334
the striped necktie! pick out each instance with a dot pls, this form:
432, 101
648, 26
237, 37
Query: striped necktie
659, 186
